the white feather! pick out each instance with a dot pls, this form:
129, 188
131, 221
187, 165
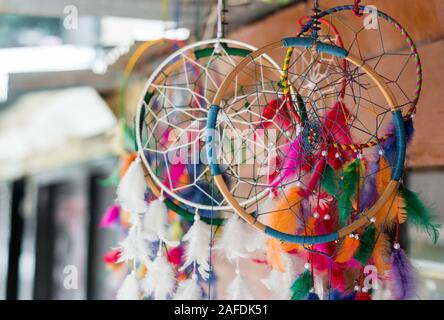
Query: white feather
155, 222
160, 280
188, 290
279, 283
248, 239
129, 289
198, 247
133, 247
237, 289
131, 189
234, 228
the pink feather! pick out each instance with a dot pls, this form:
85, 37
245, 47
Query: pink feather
110, 217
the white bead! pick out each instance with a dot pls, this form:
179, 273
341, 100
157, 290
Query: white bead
381, 152
372, 219
307, 265
324, 153
351, 235
397, 246
337, 155
357, 236
196, 217
356, 288
298, 183
316, 215
326, 216
364, 289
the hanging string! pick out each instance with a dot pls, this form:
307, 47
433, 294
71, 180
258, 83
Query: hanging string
356, 8
315, 20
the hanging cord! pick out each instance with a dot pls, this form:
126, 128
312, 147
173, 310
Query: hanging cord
221, 23
315, 20
356, 9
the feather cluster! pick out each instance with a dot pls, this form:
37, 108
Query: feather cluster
279, 283
197, 249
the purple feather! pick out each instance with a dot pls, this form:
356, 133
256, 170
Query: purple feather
369, 193
390, 143
402, 276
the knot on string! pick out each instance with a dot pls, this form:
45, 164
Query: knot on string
356, 8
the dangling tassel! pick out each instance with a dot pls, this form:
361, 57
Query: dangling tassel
348, 186
110, 217
402, 276
129, 289
160, 280
198, 240
284, 219
133, 247
131, 189
155, 222
188, 290
302, 286
419, 215
348, 249
237, 289
367, 245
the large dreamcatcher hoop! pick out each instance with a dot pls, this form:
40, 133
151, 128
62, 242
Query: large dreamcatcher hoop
220, 113
194, 73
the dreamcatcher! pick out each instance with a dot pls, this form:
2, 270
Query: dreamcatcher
337, 138
310, 154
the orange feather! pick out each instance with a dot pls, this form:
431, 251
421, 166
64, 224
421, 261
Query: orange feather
393, 209
349, 247
381, 254
284, 219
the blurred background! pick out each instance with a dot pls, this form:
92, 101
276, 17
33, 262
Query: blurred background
62, 67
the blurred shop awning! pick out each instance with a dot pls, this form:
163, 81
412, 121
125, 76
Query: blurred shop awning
53, 128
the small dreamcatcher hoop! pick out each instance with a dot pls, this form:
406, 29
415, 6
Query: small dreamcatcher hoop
218, 108
174, 106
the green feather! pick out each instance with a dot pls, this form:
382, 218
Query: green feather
347, 188
328, 181
302, 110
419, 214
366, 245
301, 286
